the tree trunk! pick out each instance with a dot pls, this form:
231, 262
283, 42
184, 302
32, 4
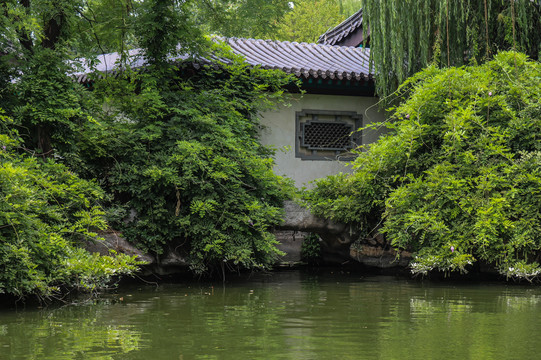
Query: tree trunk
44, 140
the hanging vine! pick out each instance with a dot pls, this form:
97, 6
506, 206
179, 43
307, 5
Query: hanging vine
406, 36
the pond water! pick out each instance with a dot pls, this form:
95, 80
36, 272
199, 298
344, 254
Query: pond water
286, 315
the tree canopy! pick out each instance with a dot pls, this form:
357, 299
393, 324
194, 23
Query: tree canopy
168, 154
298, 20
308, 20
240, 18
186, 161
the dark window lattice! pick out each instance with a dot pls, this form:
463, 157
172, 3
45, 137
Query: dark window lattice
326, 135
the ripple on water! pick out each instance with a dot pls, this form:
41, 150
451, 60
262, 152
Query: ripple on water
286, 316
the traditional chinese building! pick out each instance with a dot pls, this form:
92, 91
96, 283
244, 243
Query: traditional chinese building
317, 131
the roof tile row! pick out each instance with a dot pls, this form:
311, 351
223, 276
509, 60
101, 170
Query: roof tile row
302, 59
305, 60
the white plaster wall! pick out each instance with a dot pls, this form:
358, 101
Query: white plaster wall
279, 132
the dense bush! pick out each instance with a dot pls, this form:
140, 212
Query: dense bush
46, 212
458, 176
174, 147
179, 151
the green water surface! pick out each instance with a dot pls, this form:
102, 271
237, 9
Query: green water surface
286, 315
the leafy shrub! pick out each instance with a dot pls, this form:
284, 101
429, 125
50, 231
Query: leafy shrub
180, 152
458, 177
45, 213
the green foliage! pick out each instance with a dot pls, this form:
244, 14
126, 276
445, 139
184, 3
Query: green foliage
458, 177
407, 36
104, 26
240, 18
298, 20
311, 249
176, 150
164, 28
182, 156
46, 105
45, 213
349, 7
36, 84
308, 20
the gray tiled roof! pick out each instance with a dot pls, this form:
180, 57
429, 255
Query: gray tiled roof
302, 59
305, 60
109, 63
337, 34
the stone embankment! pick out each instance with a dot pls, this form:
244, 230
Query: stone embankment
339, 242
169, 263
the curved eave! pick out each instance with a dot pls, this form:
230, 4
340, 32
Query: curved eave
306, 61
343, 30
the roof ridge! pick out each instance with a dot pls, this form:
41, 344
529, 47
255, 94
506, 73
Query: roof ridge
340, 31
234, 38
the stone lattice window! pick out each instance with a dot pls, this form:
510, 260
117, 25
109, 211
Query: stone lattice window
326, 135
319, 135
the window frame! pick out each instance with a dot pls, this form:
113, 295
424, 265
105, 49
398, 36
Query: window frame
311, 116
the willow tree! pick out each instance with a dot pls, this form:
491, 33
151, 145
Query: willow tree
406, 36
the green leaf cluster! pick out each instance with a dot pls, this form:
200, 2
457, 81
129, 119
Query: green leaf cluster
181, 157
298, 20
240, 18
174, 147
46, 212
308, 20
457, 178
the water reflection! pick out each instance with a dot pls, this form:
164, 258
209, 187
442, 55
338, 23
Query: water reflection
80, 332
291, 315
